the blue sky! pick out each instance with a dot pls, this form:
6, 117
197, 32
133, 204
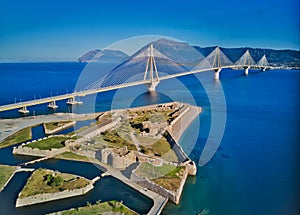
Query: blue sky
64, 30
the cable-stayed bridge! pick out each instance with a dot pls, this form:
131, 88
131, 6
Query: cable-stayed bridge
148, 67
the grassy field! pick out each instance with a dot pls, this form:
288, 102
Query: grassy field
161, 148
99, 208
54, 125
72, 156
36, 184
5, 173
172, 180
149, 171
153, 116
49, 143
18, 137
167, 176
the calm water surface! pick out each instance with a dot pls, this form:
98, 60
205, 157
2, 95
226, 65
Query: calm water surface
255, 170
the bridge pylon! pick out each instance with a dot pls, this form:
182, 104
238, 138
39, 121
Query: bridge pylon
216, 60
245, 61
263, 63
151, 72
217, 63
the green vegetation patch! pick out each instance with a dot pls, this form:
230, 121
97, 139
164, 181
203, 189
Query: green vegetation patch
99, 208
160, 148
5, 173
167, 176
113, 138
150, 171
172, 180
72, 156
55, 125
153, 116
49, 143
137, 121
47, 181
21, 136
53, 180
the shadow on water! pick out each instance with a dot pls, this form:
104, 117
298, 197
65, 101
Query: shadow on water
150, 99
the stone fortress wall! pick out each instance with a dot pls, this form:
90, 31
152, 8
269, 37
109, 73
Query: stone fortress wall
173, 196
23, 150
46, 197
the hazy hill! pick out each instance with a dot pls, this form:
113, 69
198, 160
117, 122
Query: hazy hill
179, 52
186, 54
106, 55
286, 58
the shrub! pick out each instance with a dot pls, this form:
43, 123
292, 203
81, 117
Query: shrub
53, 181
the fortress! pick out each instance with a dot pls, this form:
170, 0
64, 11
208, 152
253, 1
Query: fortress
168, 121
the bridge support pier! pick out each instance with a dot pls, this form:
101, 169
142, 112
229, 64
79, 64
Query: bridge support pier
217, 74
52, 105
246, 70
72, 101
151, 86
23, 110
264, 69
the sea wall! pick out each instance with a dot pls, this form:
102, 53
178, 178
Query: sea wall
23, 150
95, 131
177, 127
46, 197
172, 195
187, 115
37, 152
58, 129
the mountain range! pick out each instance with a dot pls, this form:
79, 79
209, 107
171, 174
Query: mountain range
186, 54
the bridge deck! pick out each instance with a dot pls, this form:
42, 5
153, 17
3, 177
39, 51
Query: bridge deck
114, 87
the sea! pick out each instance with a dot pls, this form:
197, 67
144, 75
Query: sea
255, 169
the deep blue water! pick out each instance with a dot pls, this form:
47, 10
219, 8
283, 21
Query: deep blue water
255, 170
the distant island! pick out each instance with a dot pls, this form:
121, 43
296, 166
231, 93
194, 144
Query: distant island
187, 54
